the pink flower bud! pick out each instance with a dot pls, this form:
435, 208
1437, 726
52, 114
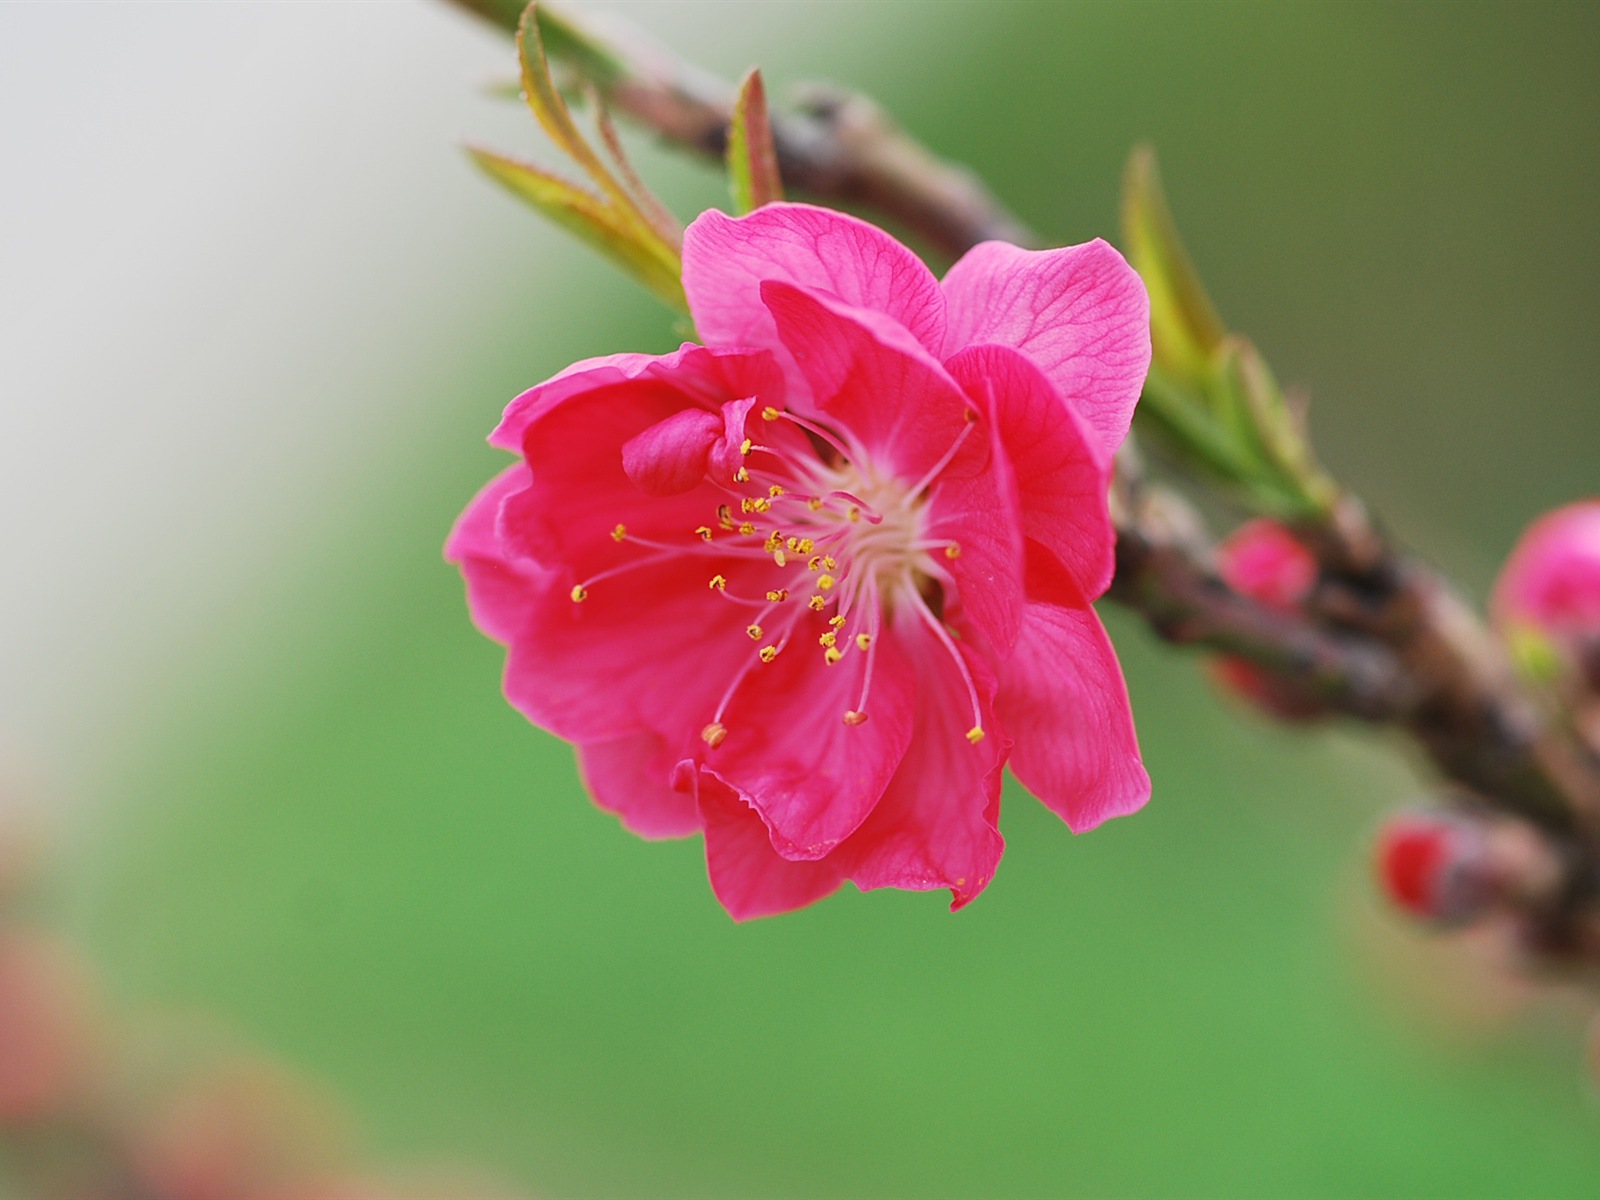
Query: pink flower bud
1435, 865
1262, 560
1546, 602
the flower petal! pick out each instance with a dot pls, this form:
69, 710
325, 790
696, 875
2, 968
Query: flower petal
632, 777
789, 753
712, 376
670, 456
1062, 698
749, 877
937, 824
1080, 313
871, 380
726, 259
1062, 481
498, 586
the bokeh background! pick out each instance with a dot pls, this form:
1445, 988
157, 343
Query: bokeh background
257, 314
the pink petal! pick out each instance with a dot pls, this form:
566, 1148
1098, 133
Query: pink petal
1263, 560
937, 824
749, 877
788, 752
871, 379
1062, 482
498, 586
632, 777
653, 649
978, 513
670, 456
689, 372
1080, 313
1063, 700
726, 259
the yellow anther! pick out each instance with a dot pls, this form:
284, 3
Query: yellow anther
806, 546
704, 531
824, 582
855, 717
746, 446
775, 491
770, 414
972, 416
747, 506
778, 596
725, 516
836, 622
854, 514
832, 655
761, 504
718, 583
953, 550
814, 504
828, 639
814, 564
741, 476
774, 540
747, 528
619, 533
975, 734
768, 653
579, 594
817, 603
829, 561
863, 641
793, 544
713, 734
754, 631
779, 557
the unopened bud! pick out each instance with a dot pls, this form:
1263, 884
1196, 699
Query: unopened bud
1436, 865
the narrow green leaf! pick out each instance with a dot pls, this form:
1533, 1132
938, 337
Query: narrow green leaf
1184, 326
752, 157
589, 218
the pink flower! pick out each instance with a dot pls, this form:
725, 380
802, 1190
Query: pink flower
1547, 599
806, 588
1262, 560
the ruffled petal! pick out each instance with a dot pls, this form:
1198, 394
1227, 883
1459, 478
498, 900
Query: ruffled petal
500, 588
632, 777
937, 825
891, 398
749, 877
1062, 482
977, 514
1063, 701
790, 755
726, 259
1080, 313
695, 375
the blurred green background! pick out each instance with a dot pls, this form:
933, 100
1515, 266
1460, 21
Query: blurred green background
321, 821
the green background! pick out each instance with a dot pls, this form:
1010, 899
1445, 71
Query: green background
340, 838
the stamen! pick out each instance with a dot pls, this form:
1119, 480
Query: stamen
817, 603
933, 624
953, 550
620, 532
725, 516
770, 414
778, 595
775, 490
832, 655
768, 653
579, 593
713, 734
704, 531
741, 476
825, 582
863, 641
855, 717
719, 583
944, 462
745, 447
747, 528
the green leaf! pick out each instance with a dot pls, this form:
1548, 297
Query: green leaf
591, 219
1184, 326
752, 158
